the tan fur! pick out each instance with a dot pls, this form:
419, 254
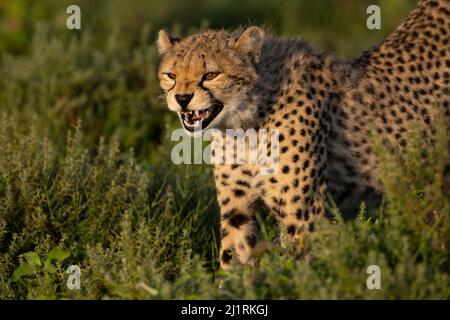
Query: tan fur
322, 107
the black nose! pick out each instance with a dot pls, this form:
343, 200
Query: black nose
183, 100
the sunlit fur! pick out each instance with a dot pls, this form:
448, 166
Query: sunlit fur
230, 54
325, 110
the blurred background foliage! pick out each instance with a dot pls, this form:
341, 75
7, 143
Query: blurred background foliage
332, 25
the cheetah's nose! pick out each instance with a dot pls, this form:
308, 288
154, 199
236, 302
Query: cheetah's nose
183, 100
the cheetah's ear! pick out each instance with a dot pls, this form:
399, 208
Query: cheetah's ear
250, 42
165, 41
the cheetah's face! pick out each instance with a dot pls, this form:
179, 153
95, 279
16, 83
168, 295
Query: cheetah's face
209, 78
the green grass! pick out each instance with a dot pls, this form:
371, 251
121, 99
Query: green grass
137, 234
86, 177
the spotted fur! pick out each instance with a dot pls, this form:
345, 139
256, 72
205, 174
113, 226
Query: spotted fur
324, 110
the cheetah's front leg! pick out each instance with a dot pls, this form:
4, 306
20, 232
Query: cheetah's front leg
238, 223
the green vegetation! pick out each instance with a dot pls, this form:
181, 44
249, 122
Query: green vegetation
86, 176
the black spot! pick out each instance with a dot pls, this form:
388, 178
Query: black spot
306, 215
291, 229
305, 188
305, 164
279, 201
308, 110
235, 218
243, 183
239, 192
226, 256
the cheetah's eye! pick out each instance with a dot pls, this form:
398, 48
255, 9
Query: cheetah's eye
210, 75
171, 76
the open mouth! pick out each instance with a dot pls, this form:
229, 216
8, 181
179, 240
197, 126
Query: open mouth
200, 119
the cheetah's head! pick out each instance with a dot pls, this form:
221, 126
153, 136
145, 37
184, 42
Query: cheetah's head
209, 78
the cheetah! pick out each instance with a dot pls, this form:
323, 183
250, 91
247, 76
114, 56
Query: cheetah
323, 108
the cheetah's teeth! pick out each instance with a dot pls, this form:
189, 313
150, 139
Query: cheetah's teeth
193, 119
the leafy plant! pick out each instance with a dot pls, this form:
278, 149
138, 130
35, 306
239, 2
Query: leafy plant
32, 265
